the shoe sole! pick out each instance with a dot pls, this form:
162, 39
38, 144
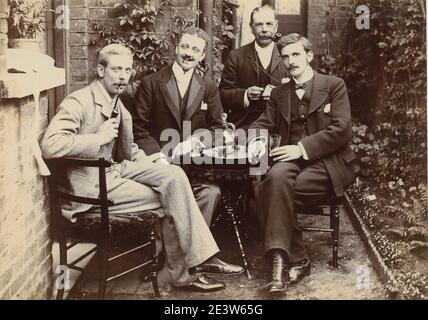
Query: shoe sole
217, 273
191, 289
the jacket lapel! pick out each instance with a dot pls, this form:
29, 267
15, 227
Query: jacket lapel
125, 136
320, 92
285, 106
100, 99
276, 59
196, 93
252, 58
170, 93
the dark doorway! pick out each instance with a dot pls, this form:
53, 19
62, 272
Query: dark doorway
292, 15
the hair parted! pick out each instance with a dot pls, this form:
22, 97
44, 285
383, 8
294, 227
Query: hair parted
294, 38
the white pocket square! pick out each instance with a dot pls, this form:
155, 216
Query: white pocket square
327, 108
204, 106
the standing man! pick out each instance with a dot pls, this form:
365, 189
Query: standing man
175, 98
92, 123
252, 71
312, 114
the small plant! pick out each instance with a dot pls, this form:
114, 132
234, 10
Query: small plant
26, 18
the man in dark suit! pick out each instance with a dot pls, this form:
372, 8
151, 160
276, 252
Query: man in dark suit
251, 71
312, 114
176, 99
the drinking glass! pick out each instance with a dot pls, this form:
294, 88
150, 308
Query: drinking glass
274, 141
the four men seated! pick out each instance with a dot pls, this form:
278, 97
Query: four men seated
264, 86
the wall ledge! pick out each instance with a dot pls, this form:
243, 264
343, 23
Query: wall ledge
19, 85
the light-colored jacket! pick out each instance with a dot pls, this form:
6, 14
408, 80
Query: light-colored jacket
72, 132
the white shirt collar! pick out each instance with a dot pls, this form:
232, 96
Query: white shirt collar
265, 50
265, 54
307, 75
182, 78
104, 91
179, 72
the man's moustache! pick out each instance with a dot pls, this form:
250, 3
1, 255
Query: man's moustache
187, 58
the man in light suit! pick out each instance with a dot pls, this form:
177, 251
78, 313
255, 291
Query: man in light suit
174, 98
92, 123
250, 72
312, 114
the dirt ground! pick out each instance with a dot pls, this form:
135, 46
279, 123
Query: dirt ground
354, 279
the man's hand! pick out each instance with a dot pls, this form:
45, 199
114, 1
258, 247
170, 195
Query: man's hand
266, 93
256, 149
286, 153
254, 92
108, 131
190, 145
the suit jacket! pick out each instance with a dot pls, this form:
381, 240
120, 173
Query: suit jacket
72, 133
329, 126
157, 108
241, 72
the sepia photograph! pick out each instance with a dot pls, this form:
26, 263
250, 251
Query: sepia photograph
213, 155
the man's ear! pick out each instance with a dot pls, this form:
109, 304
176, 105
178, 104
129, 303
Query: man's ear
100, 70
310, 56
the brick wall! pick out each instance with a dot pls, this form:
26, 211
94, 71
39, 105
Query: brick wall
4, 12
83, 13
325, 19
25, 244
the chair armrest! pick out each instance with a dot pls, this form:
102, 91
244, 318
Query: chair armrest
67, 162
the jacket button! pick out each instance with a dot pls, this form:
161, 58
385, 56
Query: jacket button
97, 186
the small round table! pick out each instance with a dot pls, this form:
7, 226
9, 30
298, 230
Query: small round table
234, 180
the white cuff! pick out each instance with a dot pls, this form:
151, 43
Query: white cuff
302, 149
246, 100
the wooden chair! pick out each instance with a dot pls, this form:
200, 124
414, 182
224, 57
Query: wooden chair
332, 205
106, 231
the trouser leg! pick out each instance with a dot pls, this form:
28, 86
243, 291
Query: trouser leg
287, 184
207, 197
179, 203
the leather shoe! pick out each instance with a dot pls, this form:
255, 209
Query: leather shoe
204, 284
276, 285
298, 271
216, 266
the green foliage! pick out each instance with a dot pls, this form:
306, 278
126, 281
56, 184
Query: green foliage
390, 151
222, 33
26, 18
385, 72
388, 60
396, 220
410, 285
135, 28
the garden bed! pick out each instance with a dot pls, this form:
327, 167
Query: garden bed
393, 224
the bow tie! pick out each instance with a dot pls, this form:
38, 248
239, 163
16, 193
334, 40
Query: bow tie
302, 86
